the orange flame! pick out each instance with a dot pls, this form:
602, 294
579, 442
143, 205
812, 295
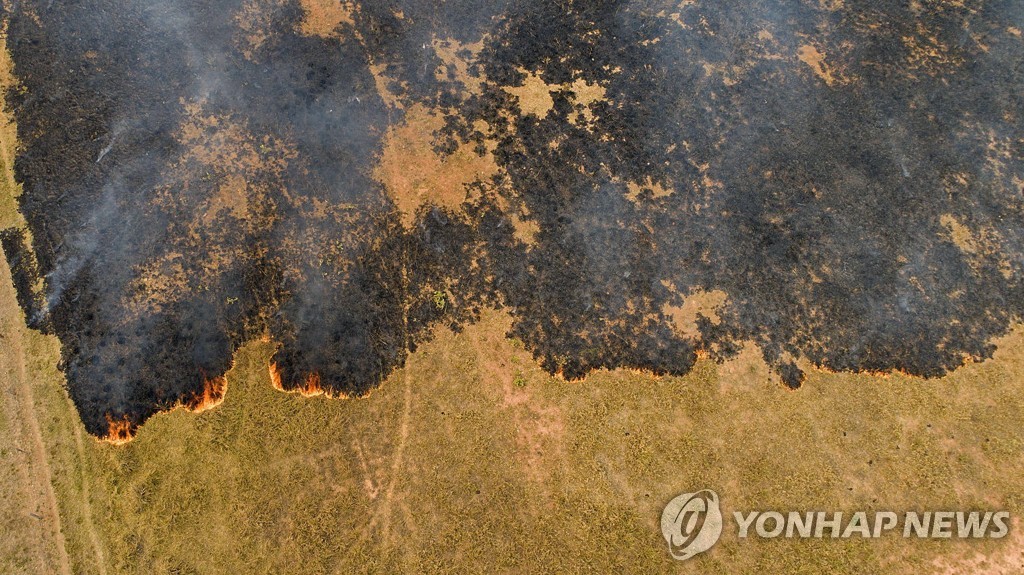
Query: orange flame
212, 395
122, 431
310, 388
119, 431
275, 377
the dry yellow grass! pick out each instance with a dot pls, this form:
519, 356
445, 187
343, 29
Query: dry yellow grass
696, 303
815, 60
414, 174
535, 95
472, 459
322, 17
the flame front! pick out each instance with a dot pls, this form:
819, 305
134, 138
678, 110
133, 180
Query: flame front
119, 431
275, 377
309, 388
212, 395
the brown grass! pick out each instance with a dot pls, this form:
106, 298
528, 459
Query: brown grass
656, 189
985, 244
815, 60
322, 17
414, 175
535, 95
472, 459
696, 303
472, 454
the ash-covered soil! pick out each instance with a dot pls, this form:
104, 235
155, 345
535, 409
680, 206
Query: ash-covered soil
636, 182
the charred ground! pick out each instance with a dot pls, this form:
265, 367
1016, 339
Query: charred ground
197, 175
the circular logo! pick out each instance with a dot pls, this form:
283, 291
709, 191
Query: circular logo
691, 523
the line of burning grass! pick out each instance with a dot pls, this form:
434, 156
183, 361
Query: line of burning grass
122, 430
310, 387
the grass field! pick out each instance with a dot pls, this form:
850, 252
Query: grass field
472, 459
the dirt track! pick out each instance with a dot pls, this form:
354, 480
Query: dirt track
29, 455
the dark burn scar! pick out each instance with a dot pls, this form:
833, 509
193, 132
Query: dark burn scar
637, 183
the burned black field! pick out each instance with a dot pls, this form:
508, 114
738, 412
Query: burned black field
846, 179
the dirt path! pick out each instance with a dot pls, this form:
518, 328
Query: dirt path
34, 464
90, 527
382, 514
20, 404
